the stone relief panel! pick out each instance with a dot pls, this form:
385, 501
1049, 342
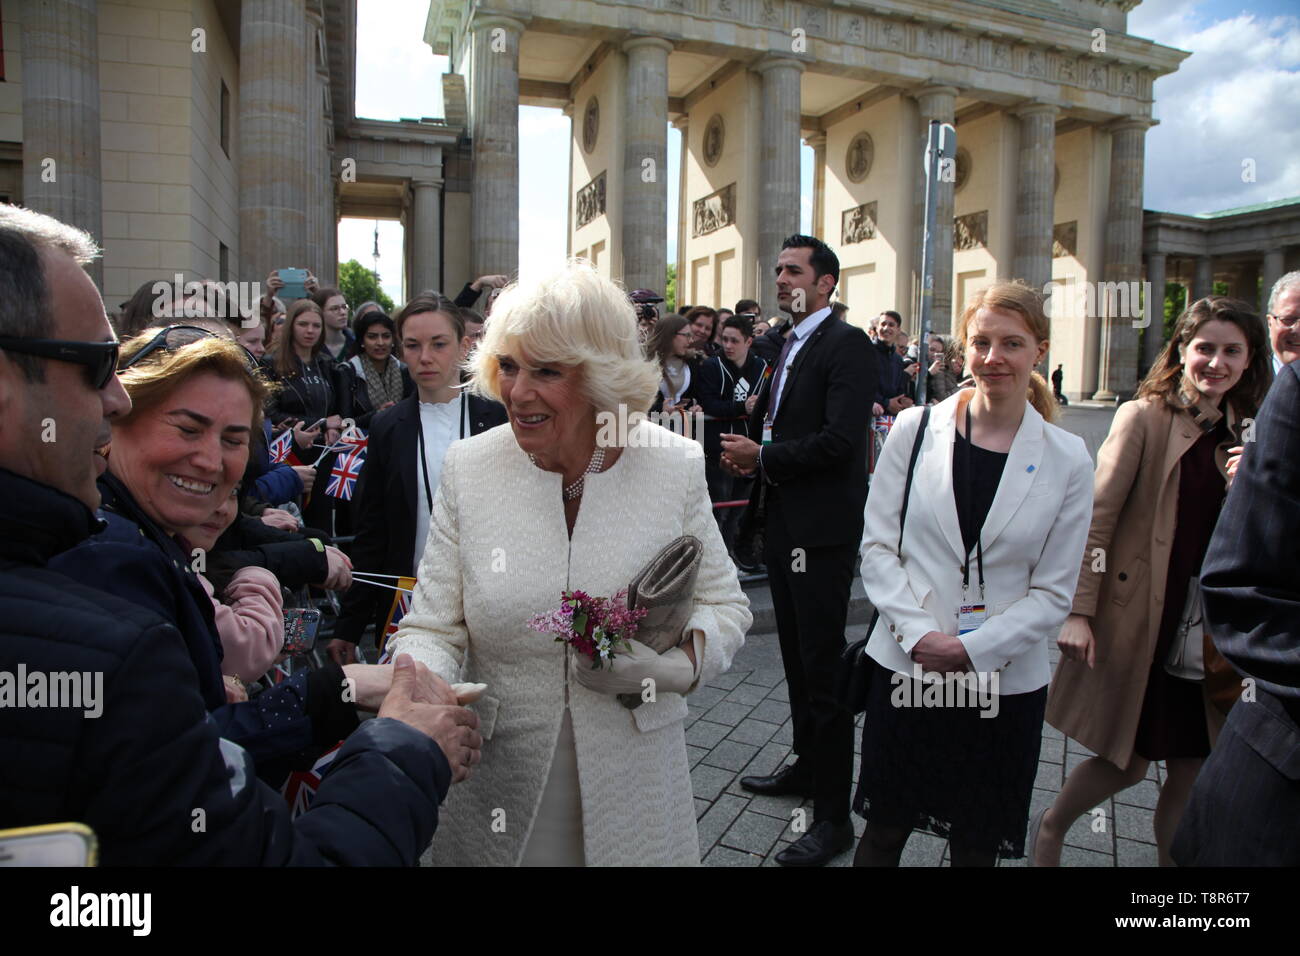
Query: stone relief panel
591, 200
854, 30
715, 137
714, 211
858, 224
1065, 239
859, 157
770, 11
970, 231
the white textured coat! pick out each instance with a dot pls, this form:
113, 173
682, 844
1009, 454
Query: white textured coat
498, 552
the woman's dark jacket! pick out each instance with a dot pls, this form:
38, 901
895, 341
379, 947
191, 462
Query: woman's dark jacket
354, 393
309, 395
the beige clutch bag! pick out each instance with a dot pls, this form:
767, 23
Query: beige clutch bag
665, 587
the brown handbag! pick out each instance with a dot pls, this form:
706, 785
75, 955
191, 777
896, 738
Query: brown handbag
665, 588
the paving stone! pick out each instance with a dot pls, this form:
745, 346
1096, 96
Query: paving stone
1051, 751
696, 754
785, 734
1133, 853
701, 807
731, 755
1077, 856
1081, 833
754, 832
1050, 732
773, 711
705, 733
756, 732
1146, 793
923, 849
766, 676
1073, 746
705, 697
1073, 760
1048, 776
728, 713
779, 692
780, 807
722, 856
1135, 823
721, 815
729, 681
707, 782
747, 694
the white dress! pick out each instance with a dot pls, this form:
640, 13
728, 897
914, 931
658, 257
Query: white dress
499, 552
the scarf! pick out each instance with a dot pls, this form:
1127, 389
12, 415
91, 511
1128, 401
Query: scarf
385, 386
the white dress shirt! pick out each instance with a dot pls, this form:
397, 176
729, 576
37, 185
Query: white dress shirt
440, 423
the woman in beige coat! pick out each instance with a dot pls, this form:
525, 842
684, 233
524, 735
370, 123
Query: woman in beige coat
1161, 477
568, 498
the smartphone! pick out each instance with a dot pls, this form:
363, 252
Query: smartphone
317, 424
295, 285
53, 844
300, 627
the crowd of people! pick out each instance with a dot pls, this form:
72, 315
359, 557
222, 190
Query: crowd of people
214, 467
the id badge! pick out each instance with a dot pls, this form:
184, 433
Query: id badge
971, 616
767, 433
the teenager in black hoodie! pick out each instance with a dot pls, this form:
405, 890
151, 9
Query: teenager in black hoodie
724, 383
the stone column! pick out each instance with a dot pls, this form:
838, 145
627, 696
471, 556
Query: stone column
60, 89
1203, 283
272, 132
1245, 283
1153, 338
683, 209
1117, 376
819, 227
494, 190
935, 103
645, 163
778, 208
569, 200
1274, 267
1035, 194
426, 248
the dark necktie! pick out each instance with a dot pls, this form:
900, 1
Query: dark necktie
776, 376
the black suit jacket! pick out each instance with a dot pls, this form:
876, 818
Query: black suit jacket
818, 457
1252, 606
388, 495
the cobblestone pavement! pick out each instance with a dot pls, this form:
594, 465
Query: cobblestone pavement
740, 725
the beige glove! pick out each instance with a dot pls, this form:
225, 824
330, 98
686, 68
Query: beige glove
671, 671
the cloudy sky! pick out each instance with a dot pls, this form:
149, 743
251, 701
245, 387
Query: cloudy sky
1229, 109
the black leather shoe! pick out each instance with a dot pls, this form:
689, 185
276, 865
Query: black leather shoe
787, 780
819, 845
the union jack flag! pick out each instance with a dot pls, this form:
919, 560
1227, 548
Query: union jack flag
300, 787
281, 449
344, 474
401, 606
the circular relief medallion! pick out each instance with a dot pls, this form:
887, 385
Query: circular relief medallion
858, 159
590, 124
715, 134
963, 169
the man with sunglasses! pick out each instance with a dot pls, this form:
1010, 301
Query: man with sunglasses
133, 754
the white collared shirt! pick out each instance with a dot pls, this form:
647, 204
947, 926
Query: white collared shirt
440, 423
801, 332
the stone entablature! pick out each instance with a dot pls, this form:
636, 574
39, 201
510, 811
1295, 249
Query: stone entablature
1275, 226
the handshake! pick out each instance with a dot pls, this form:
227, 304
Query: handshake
410, 692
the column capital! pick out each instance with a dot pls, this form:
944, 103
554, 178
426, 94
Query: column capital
766, 63
1157, 256
655, 42
816, 140
1124, 123
427, 183
682, 122
496, 20
935, 89
567, 109
1036, 108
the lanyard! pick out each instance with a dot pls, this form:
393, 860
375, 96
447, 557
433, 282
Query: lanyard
424, 460
969, 504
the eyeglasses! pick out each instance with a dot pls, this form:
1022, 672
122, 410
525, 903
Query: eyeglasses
1287, 320
178, 336
98, 358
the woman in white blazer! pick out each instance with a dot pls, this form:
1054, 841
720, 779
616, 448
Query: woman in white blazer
568, 498
995, 528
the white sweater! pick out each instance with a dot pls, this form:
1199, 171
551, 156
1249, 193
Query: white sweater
498, 552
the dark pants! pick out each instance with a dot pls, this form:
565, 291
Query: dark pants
810, 595
725, 487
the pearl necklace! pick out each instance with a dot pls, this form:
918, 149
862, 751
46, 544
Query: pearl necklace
593, 467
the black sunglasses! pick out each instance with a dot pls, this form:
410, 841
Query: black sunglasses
178, 336
98, 358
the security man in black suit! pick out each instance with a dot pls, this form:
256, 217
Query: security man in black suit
814, 414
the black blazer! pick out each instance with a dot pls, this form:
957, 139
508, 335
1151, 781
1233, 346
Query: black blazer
388, 495
818, 457
1251, 593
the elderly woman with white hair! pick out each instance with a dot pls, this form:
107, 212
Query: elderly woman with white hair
569, 775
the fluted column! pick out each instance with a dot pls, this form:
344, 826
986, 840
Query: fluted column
1203, 282
1274, 265
1035, 194
60, 89
778, 211
1154, 336
935, 103
273, 97
645, 184
426, 249
494, 193
683, 126
567, 110
1123, 257
819, 227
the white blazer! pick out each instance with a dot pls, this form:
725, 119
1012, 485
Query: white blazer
1033, 541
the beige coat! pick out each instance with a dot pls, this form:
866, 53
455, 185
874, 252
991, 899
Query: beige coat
498, 552
1135, 505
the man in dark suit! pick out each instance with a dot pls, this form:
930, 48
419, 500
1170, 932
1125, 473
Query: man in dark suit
813, 414
1246, 800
